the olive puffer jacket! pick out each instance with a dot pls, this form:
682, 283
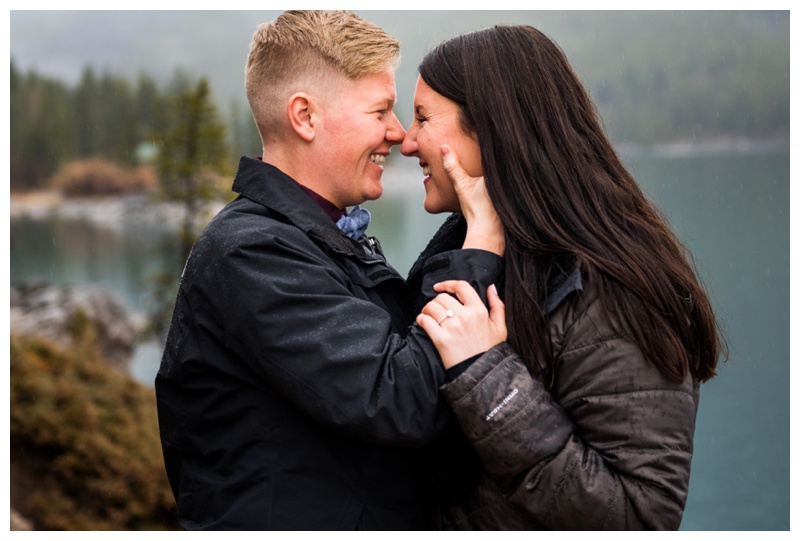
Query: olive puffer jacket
609, 446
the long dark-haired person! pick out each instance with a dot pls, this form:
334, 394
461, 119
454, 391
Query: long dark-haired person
584, 417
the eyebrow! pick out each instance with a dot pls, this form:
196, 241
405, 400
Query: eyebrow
419, 108
387, 103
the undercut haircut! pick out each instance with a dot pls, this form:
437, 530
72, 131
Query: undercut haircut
306, 50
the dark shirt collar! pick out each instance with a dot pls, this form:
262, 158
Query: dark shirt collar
330, 209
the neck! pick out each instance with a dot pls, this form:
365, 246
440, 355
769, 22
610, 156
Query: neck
302, 168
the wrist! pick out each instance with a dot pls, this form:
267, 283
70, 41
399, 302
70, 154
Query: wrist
489, 240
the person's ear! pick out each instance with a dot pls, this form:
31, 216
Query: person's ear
302, 115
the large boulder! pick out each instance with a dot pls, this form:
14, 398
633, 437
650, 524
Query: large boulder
61, 314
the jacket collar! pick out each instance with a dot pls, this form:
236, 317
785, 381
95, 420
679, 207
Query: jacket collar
267, 185
450, 236
565, 284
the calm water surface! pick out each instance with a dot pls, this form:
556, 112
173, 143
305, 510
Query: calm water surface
731, 211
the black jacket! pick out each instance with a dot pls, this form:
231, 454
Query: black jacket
292, 389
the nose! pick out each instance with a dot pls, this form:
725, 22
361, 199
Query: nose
409, 147
395, 132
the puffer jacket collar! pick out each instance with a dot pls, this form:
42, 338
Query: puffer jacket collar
563, 286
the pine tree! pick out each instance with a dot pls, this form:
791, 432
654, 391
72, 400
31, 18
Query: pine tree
41, 128
192, 153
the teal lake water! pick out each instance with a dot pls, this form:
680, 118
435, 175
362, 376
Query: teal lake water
732, 211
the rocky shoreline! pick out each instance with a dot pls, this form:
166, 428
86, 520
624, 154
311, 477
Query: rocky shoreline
57, 313
709, 146
115, 212
44, 309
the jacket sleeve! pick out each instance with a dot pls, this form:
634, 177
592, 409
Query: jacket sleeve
296, 320
612, 451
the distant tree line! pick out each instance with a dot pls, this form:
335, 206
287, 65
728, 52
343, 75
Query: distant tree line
713, 74
710, 74
107, 116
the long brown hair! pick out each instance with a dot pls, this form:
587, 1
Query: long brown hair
564, 195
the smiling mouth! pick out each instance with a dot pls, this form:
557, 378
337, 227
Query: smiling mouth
377, 158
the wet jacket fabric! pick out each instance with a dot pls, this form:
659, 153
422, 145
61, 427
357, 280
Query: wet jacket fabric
292, 392
609, 446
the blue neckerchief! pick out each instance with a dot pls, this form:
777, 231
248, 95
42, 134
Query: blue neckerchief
355, 223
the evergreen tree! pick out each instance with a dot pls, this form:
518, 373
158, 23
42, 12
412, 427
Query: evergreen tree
150, 108
41, 128
192, 153
86, 96
245, 139
191, 160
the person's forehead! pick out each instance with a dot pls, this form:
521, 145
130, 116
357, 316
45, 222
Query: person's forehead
378, 87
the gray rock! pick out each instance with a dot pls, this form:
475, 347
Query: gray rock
19, 523
41, 309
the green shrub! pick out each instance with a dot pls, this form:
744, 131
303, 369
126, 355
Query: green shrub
87, 439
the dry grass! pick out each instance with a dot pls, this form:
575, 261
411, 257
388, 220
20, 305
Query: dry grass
86, 453
102, 177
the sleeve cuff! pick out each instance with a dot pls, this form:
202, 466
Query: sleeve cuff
456, 370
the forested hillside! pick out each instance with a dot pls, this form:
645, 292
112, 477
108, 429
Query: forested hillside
655, 76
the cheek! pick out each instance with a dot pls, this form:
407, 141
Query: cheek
429, 143
470, 154
444, 193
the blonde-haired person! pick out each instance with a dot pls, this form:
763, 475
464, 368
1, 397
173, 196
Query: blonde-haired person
293, 391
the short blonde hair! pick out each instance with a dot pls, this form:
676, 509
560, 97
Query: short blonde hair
301, 48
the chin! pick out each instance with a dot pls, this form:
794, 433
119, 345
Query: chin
373, 195
433, 208
372, 188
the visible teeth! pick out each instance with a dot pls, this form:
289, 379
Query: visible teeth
426, 170
377, 158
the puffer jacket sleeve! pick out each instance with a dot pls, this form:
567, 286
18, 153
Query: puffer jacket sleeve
609, 448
